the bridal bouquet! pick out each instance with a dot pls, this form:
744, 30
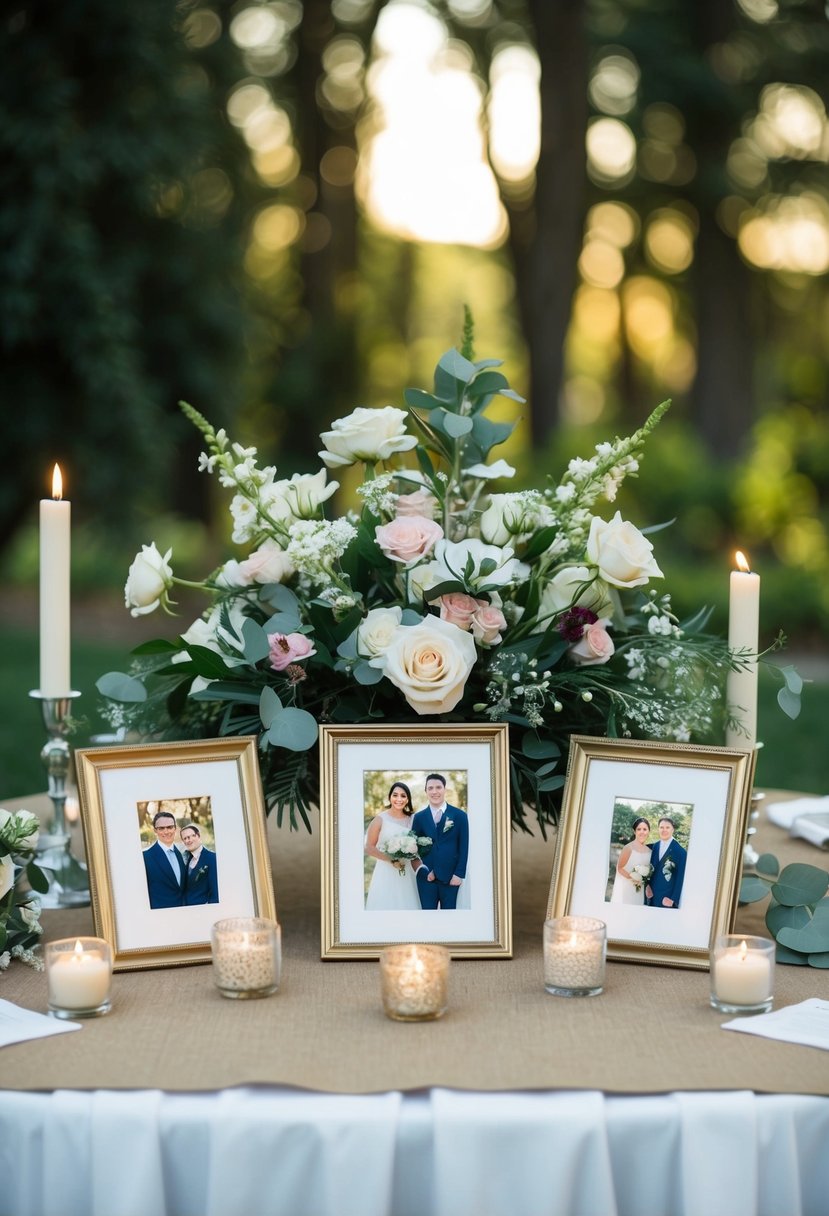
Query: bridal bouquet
405, 847
640, 874
445, 595
19, 909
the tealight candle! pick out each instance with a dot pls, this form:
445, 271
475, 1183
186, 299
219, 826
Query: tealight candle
575, 948
247, 956
414, 981
742, 974
78, 975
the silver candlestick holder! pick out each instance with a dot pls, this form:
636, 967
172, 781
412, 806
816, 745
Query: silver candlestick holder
750, 854
68, 877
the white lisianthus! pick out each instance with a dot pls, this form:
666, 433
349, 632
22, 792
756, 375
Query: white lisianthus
464, 559
490, 472
304, 493
624, 556
148, 581
366, 434
573, 586
421, 579
430, 664
6, 875
267, 564
377, 630
514, 517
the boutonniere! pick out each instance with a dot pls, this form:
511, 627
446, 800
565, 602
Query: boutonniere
200, 872
450, 823
668, 868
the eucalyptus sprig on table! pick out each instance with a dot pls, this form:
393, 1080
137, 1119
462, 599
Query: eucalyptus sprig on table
798, 914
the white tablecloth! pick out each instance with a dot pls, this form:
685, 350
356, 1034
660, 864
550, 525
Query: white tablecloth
257, 1152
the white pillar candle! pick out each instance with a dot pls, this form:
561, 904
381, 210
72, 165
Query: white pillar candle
55, 517
247, 956
574, 956
743, 635
414, 980
742, 973
78, 975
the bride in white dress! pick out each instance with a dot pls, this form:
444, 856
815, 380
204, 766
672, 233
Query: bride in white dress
637, 853
393, 886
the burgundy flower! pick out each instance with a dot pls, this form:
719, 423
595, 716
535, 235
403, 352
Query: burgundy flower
571, 624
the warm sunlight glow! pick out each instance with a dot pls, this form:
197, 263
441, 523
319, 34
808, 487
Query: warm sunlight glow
648, 315
423, 172
760, 11
57, 482
787, 234
669, 241
791, 123
514, 113
601, 264
613, 222
742, 562
614, 82
611, 151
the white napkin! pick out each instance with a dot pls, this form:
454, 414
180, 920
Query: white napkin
18, 1025
783, 814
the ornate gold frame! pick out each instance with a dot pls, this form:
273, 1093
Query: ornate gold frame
494, 742
586, 751
92, 762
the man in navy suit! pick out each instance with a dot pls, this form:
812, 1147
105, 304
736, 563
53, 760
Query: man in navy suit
202, 886
668, 860
440, 876
164, 865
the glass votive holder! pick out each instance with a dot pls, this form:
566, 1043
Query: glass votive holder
247, 956
575, 948
742, 973
78, 977
414, 981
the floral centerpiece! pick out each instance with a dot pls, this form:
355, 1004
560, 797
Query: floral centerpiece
446, 596
19, 905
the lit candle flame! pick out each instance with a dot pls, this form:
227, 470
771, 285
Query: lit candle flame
743, 951
78, 948
57, 483
742, 562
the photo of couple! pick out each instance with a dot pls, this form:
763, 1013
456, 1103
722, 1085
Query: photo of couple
416, 860
648, 852
180, 873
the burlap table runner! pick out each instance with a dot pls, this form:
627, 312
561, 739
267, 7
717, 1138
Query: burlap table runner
325, 1030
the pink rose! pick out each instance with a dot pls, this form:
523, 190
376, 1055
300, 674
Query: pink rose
409, 538
595, 646
458, 609
286, 648
421, 502
268, 564
487, 623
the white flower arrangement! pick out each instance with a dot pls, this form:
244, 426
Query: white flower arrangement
20, 925
405, 847
443, 598
640, 874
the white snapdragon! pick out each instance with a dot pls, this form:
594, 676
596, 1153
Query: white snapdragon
245, 519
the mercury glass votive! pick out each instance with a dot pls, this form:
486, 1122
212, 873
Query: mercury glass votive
414, 981
78, 977
575, 948
247, 956
742, 973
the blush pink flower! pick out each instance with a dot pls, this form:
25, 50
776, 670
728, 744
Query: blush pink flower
596, 645
488, 622
458, 609
287, 648
420, 502
408, 538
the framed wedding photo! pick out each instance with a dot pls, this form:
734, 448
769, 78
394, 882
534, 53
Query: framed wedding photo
650, 841
175, 840
415, 839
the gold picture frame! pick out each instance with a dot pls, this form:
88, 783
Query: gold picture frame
359, 765
705, 793
212, 784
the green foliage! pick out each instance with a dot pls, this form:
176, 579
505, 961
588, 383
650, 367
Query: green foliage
798, 912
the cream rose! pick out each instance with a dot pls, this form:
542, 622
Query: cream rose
595, 645
267, 564
148, 581
624, 556
366, 434
377, 630
408, 539
570, 587
430, 664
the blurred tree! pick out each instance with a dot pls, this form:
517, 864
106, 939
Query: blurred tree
121, 211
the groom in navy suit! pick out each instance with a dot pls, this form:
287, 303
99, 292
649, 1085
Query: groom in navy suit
164, 865
668, 860
439, 878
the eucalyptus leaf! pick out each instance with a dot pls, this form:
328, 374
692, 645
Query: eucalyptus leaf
37, 879
768, 864
417, 399
783, 955
269, 706
3, 937
489, 434
486, 383
752, 890
551, 783
813, 938
294, 729
118, 686
282, 622
279, 597
365, 674
779, 916
538, 749
410, 617
789, 702
256, 646
459, 368
156, 646
228, 690
800, 884
208, 663
457, 425
819, 960
347, 649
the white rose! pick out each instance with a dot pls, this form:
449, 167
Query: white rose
232, 575
430, 664
376, 632
421, 579
304, 493
624, 556
268, 564
454, 558
572, 586
148, 581
366, 434
6, 875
